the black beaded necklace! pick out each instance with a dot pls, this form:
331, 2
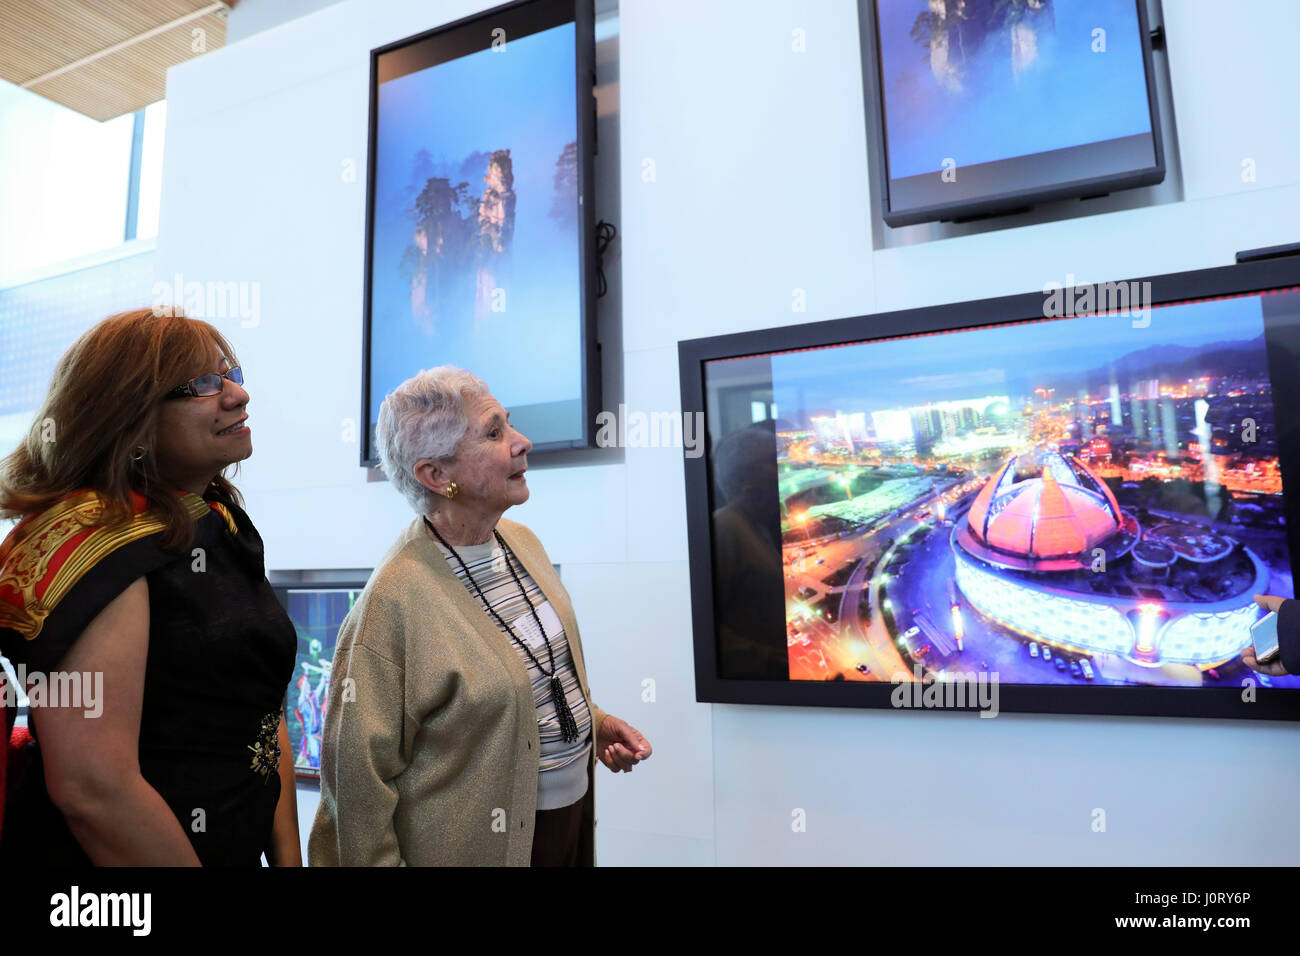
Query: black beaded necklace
563, 713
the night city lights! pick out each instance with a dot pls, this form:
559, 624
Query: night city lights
1066, 502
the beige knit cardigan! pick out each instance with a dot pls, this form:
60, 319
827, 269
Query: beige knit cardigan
430, 750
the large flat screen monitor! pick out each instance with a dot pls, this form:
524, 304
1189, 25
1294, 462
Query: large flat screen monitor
984, 106
1074, 494
479, 243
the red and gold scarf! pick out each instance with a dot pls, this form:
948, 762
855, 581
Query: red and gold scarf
47, 553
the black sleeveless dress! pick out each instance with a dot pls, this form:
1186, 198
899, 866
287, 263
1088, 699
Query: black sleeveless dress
221, 654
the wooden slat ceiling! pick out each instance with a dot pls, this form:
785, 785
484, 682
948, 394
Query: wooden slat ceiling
104, 58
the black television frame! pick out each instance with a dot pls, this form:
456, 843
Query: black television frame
1014, 200
584, 18
1215, 702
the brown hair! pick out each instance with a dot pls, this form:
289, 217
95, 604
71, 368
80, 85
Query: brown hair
102, 406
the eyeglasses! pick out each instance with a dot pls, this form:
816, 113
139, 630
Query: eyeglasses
205, 385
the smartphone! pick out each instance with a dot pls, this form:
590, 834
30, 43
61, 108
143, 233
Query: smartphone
1264, 634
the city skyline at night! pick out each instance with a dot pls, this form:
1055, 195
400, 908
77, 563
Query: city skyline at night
1082, 354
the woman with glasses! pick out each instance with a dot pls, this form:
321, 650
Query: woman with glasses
135, 607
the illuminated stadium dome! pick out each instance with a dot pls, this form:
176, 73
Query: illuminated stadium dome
1046, 551
1045, 511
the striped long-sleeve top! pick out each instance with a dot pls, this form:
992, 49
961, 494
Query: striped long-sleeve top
562, 776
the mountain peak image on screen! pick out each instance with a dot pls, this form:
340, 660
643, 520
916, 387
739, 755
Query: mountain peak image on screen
1072, 501
476, 229
1057, 89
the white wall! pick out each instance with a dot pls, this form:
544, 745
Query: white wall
761, 187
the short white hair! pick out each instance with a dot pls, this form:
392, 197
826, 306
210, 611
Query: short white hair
424, 417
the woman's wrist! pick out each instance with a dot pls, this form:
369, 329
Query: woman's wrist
284, 853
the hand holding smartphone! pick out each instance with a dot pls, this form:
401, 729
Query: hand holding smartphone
1263, 634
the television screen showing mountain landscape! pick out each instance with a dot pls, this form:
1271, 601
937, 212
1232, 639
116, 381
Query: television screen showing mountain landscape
985, 96
476, 259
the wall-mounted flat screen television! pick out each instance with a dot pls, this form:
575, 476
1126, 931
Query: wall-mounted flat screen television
979, 107
1072, 494
479, 242
317, 612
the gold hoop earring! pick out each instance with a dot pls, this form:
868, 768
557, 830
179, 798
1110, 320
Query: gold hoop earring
452, 489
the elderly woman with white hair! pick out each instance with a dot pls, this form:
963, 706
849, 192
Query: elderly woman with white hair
460, 728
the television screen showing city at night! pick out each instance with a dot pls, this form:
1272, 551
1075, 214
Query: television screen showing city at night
1083, 501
